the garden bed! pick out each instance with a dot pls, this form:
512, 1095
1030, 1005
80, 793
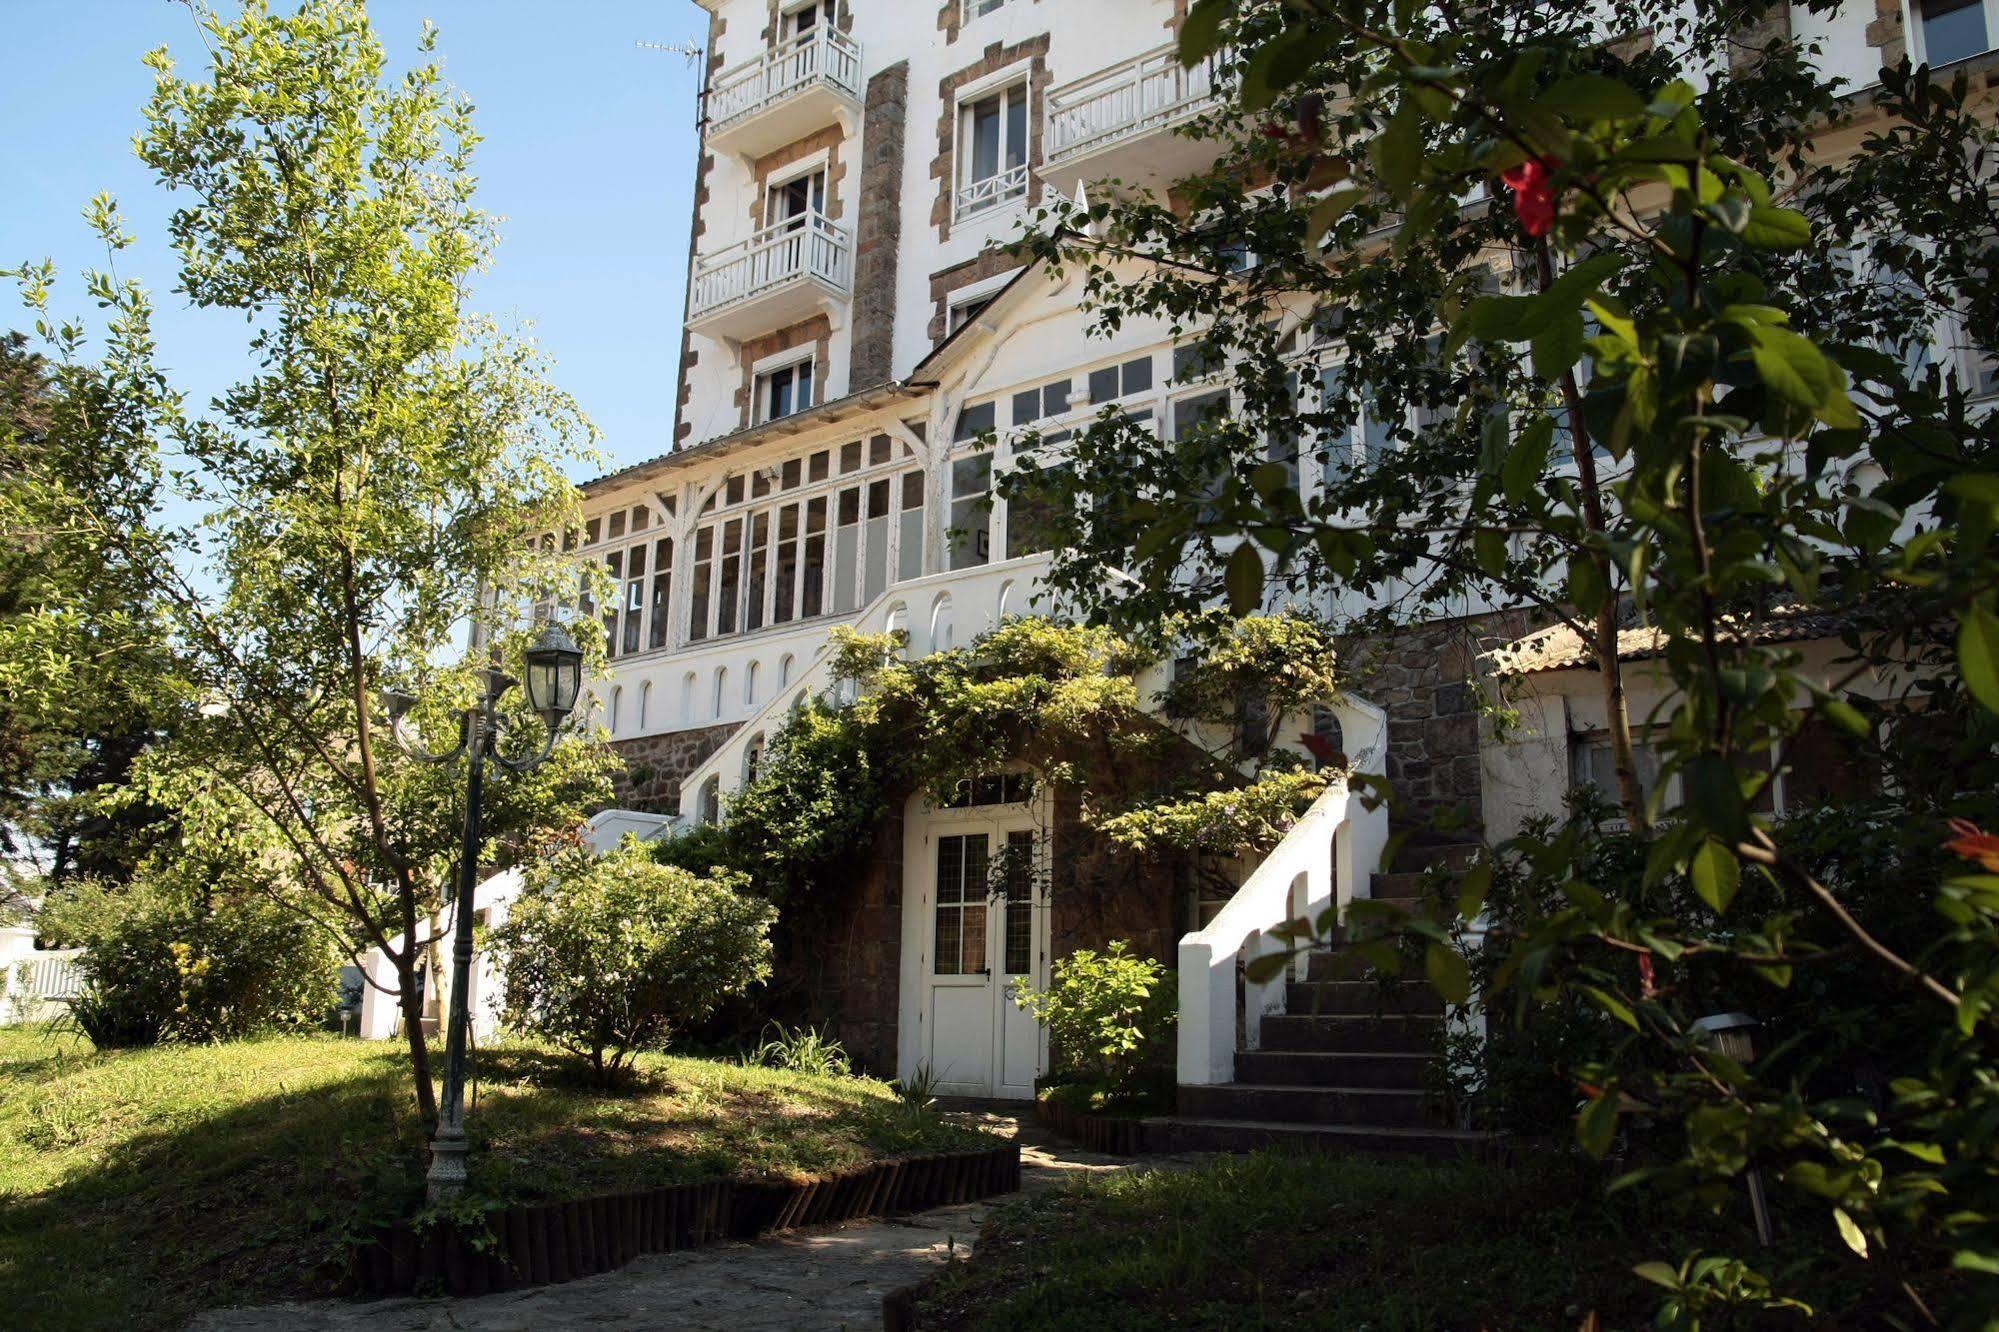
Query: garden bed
1073, 1113
265, 1162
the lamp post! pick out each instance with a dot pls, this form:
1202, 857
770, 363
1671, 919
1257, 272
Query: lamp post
554, 679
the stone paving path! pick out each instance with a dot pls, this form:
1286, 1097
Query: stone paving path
825, 1277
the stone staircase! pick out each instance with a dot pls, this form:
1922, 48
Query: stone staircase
1347, 1066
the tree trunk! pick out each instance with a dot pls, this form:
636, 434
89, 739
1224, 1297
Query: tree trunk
405, 964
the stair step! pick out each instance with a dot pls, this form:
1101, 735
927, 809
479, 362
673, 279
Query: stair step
1238, 1135
1323, 1068
1370, 1107
1361, 997
1414, 884
1350, 1034
1451, 855
1337, 964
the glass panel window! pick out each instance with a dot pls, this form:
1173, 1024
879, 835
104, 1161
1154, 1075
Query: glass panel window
614, 563
959, 941
662, 590
758, 581
1018, 937
1952, 29
875, 538
975, 420
704, 564
846, 548
635, 597
992, 149
812, 596
787, 563
909, 552
791, 203
784, 391
971, 510
730, 583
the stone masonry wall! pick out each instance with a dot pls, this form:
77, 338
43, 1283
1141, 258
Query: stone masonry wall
655, 765
878, 228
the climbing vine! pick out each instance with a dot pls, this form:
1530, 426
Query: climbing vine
1191, 771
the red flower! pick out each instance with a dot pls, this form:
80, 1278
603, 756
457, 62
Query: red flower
1647, 982
1973, 843
1533, 196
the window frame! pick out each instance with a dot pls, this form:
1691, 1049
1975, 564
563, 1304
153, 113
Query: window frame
993, 195
762, 379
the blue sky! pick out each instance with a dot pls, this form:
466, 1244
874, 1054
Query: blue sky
588, 158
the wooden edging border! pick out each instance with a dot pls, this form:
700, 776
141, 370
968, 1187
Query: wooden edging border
1111, 1134
542, 1244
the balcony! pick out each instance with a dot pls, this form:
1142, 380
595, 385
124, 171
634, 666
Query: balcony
802, 84
1115, 123
787, 272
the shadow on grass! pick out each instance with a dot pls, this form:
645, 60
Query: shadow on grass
257, 1200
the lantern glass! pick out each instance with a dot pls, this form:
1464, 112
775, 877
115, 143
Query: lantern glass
554, 674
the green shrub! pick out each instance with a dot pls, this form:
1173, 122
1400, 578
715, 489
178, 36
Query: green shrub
801, 1049
610, 956
183, 954
1109, 1017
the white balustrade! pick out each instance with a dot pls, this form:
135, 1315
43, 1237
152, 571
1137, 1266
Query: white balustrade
1140, 94
798, 248
994, 191
818, 53
33, 981
1326, 860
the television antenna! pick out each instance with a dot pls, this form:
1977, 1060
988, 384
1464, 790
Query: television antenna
689, 50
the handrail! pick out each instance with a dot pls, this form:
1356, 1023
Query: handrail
808, 246
1326, 860
1144, 92
983, 195
746, 88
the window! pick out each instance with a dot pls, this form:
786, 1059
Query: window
662, 589
992, 788
711, 800
1017, 937
815, 16
1031, 405
785, 390
980, 8
992, 150
1120, 381
959, 942
971, 510
790, 203
1953, 29
965, 311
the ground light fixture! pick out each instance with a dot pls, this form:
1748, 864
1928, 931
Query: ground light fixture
554, 669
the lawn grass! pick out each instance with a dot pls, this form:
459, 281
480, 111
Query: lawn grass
1285, 1241
137, 1187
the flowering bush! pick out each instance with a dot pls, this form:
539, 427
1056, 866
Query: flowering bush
610, 956
1109, 1017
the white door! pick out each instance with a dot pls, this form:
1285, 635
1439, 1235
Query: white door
984, 922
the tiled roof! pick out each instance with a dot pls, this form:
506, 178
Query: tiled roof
1560, 648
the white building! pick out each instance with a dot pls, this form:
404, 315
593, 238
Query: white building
851, 332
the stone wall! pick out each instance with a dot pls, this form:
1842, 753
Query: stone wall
1423, 677
878, 228
655, 765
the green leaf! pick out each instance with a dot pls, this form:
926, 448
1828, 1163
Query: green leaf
1397, 152
1585, 583
1449, 975
1659, 1274
1330, 210
1845, 716
1527, 462
1558, 343
1263, 970
1489, 549
1612, 1005
1593, 97
1716, 874
1849, 1230
1978, 655
1776, 229
1244, 579
1971, 1260
1790, 366
1473, 885
1714, 793
1596, 1126
1201, 30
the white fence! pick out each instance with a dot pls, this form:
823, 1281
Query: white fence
35, 983
1327, 859
817, 53
1136, 95
796, 248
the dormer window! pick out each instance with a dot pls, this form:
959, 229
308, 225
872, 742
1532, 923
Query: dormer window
806, 20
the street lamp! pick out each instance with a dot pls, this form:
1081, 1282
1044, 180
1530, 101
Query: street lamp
554, 679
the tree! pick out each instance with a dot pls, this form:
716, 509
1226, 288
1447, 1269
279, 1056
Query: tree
1694, 401
80, 640
362, 493
611, 955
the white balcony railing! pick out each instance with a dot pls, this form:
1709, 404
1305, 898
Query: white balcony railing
1144, 93
819, 53
994, 192
794, 250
